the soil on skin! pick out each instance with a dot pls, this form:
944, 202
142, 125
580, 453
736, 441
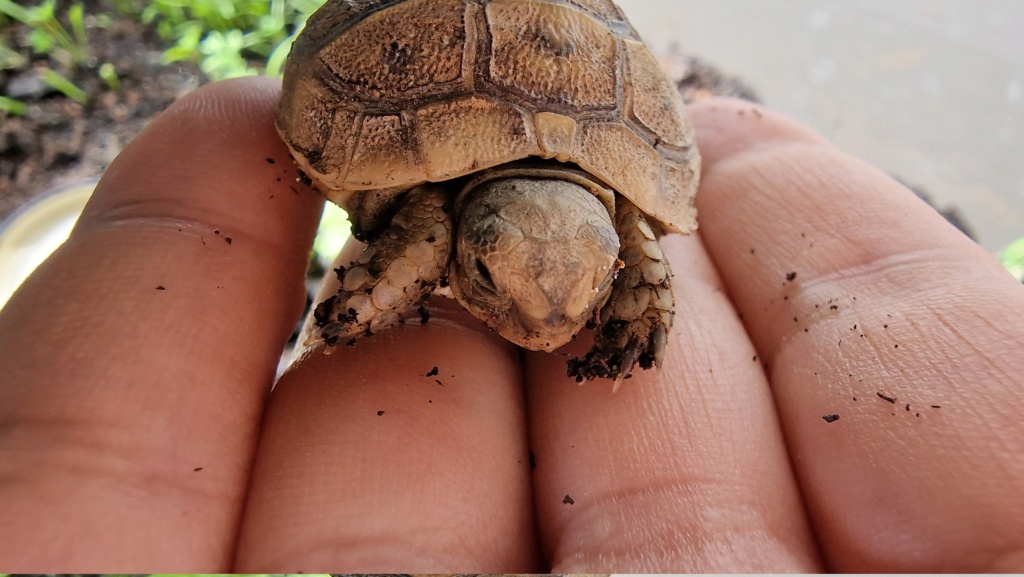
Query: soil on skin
60, 141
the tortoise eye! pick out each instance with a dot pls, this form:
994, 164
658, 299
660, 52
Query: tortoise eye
485, 275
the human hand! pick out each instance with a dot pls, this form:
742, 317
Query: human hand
137, 432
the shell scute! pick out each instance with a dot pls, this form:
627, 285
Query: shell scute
384, 95
571, 58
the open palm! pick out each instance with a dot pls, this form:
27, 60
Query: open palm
843, 387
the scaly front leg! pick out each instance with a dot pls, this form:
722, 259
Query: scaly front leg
395, 273
634, 323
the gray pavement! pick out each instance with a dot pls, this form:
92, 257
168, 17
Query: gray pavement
931, 90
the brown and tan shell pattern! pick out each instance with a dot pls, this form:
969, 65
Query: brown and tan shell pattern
383, 95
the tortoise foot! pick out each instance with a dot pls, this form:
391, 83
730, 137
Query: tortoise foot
394, 274
635, 322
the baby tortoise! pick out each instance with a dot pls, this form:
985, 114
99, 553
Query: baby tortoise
527, 153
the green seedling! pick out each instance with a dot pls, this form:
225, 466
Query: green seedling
12, 107
66, 46
63, 85
225, 37
108, 73
223, 54
11, 60
47, 35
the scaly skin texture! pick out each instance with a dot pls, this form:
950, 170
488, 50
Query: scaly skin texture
395, 273
634, 323
534, 258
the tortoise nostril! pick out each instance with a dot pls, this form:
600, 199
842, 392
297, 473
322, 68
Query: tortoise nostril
558, 319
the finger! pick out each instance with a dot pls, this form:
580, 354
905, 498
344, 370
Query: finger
683, 469
407, 449
137, 358
864, 303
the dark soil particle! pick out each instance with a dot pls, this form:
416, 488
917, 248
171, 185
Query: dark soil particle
830, 418
161, 287
790, 276
380, 413
197, 469
432, 372
885, 397
567, 500
321, 314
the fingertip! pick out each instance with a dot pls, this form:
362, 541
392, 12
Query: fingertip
249, 98
727, 127
213, 153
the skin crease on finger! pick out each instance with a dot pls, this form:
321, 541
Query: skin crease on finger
683, 469
381, 462
864, 303
136, 360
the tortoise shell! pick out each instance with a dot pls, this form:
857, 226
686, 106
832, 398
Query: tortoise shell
383, 95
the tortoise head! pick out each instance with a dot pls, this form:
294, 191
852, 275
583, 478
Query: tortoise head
535, 256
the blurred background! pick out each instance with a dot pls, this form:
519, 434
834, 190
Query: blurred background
931, 91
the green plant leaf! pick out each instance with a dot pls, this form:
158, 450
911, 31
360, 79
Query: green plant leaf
12, 107
76, 16
40, 41
222, 55
10, 59
19, 13
225, 37
65, 86
109, 75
